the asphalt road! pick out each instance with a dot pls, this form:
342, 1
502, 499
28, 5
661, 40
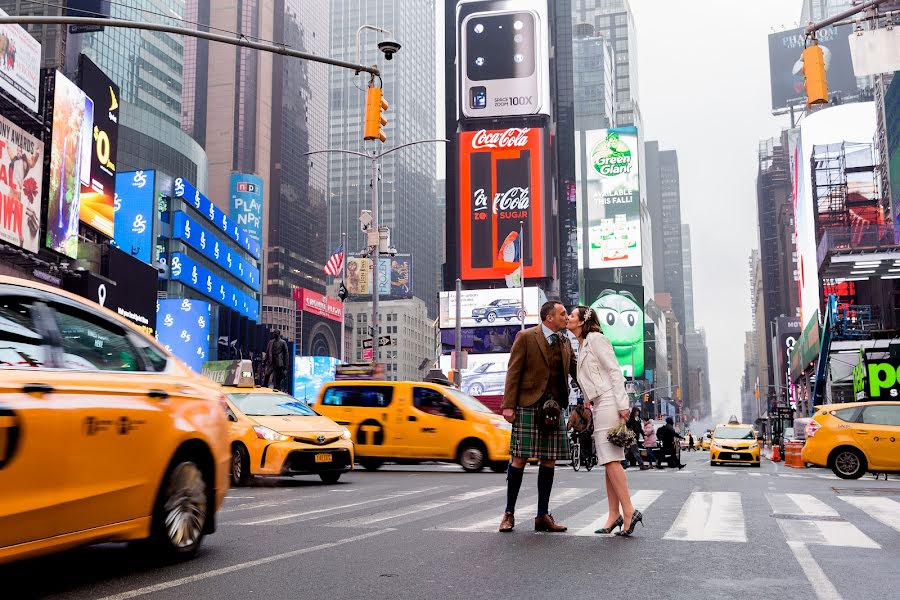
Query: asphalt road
430, 531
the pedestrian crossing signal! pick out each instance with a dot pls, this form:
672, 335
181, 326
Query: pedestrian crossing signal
814, 73
375, 119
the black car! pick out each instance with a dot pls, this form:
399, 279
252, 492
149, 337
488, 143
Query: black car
504, 308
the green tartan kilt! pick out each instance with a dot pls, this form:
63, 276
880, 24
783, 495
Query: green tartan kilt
528, 441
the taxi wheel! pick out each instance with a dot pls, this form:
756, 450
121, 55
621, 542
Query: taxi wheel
848, 463
179, 519
472, 457
371, 464
240, 465
329, 477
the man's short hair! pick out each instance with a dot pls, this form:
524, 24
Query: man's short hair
547, 308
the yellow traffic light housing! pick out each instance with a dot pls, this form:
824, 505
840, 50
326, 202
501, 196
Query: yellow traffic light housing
375, 119
814, 73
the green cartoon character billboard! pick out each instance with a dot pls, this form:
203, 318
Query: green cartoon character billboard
622, 320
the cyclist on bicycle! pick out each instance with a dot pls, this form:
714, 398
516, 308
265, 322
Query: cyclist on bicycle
581, 426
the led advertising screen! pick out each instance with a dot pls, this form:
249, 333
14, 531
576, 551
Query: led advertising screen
21, 178
247, 203
194, 234
133, 213
786, 64
620, 310
319, 304
71, 108
184, 189
183, 329
892, 131
201, 279
98, 193
394, 275
609, 211
310, 374
492, 307
501, 185
485, 375
20, 64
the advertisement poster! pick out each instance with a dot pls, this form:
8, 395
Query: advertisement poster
183, 329
892, 131
786, 64
394, 274
20, 64
247, 203
485, 376
201, 279
609, 212
310, 374
621, 314
501, 189
319, 304
21, 175
98, 192
500, 306
133, 209
70, 109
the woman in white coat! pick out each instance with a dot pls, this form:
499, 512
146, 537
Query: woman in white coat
602, 383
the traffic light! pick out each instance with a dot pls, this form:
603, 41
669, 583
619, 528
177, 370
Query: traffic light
814, 73
375, 119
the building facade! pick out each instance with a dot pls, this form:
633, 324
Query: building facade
687, 270
594, 78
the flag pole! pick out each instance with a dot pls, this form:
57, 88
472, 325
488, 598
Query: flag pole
522, 270
344, 283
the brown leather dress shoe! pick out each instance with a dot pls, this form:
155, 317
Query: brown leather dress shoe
546, 523
508, 522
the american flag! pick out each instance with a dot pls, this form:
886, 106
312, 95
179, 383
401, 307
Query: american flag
336, 263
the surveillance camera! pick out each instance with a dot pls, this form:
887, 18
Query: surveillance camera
390, 47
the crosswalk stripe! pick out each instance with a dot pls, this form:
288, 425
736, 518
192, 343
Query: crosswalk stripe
489, 520
799, 504
710, 516
882, 509
826, 533
642, 499
415, 511
724, 472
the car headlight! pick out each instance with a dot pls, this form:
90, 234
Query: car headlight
345, 433
502, 425
753, 446
264, 433
715, 445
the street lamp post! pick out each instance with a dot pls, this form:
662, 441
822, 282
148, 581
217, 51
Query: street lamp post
373, 231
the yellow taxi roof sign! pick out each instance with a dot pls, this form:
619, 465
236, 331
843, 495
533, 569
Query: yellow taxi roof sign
236, 373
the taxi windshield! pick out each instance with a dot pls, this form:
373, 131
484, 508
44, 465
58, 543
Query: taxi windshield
271, 405
468, 401
734, 433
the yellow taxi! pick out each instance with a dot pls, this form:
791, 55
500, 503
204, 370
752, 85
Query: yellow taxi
734, 444
104, 436
854, 438
273, 433
705, 442
412, 421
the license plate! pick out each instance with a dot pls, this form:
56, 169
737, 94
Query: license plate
323, 458
736, 456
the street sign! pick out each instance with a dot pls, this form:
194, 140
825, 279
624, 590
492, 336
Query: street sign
383, 340
367, 343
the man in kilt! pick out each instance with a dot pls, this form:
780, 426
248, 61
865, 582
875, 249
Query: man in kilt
540, 362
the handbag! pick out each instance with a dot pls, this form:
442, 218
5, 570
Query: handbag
621, 436
548, 414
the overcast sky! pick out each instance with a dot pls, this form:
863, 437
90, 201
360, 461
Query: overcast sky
704, 92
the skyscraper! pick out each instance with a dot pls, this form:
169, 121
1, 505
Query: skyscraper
688, 272
407, 196
594, 79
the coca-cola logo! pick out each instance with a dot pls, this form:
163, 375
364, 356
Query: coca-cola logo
513, 199
514, 137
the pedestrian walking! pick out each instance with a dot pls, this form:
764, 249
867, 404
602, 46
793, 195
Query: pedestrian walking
649, 431
541, 359
601, 380
667, 435
277, 356
690, 441
633, 452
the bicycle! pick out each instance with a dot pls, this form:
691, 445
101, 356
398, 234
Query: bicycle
575, 452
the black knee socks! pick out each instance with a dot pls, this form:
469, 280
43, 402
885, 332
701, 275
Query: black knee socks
545, 486
514, 482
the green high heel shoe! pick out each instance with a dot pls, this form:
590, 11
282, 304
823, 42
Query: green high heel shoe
617, 523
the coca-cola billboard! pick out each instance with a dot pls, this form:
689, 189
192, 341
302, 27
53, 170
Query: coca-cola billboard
501, 185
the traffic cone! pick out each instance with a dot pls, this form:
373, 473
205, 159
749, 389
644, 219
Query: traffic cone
776, 453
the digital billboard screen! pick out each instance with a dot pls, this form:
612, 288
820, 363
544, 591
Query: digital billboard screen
183, 329
71, 121
98, 193
192, 232
21, 179
310, 374
620, 309
319, 304
502, 183
20, 64
133, 209
182, 188
491, 307
609, 211
197, 277
485, 375
247, 203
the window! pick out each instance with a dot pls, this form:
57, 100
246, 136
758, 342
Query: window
156, 358
359, 396
881, 414
434, 403
21, 346
91, 343
846, 414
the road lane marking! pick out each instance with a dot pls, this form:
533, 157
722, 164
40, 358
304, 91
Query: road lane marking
710, 517
489, 520
414, 512
799, 504
882, 509
826, 533
823, 588
642, 499
166, 585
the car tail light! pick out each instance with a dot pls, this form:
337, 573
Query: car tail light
811, 428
